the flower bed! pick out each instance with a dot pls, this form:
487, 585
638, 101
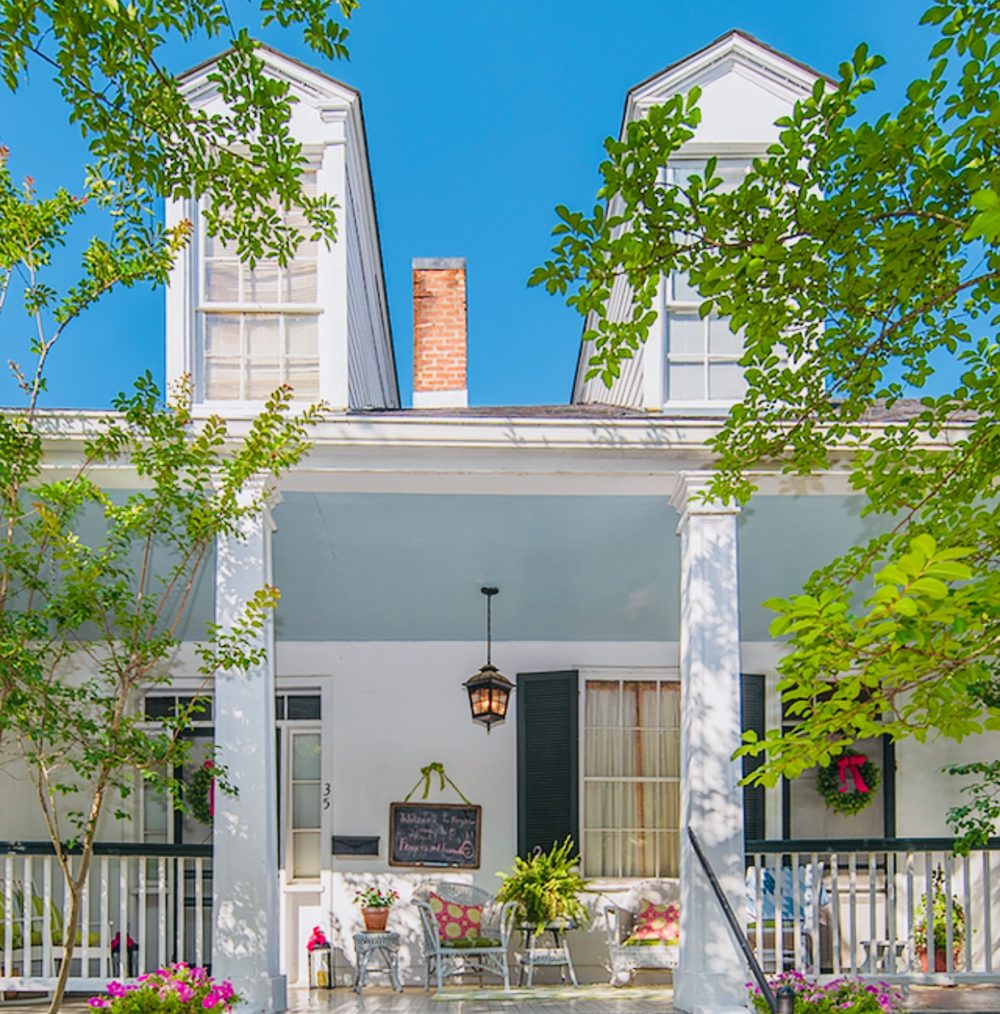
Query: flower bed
841, 996
174, 989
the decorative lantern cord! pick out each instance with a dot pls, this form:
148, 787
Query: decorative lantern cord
436, 767
489, 593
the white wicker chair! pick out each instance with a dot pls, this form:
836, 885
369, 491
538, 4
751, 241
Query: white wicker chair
488, 955
620, 921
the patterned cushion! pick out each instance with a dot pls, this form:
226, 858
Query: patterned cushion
659, 924
455, 922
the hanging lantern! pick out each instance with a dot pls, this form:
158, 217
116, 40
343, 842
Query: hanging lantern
489, 690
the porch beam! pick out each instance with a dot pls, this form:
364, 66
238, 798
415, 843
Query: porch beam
712, 972
245, 834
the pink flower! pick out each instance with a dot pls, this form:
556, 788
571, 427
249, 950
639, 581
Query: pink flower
97, 1001
184, 991
211, 1000
116, 989
225, 990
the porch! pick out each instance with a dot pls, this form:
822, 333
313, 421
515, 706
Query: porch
968, 999
827, 909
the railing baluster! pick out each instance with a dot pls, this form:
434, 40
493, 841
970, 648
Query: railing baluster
969, 923
987, 895
929, 908
8, 916
105, 917
199, 915
817, 897
909, 908
779, 925
890, 908
84, 928
140, 918
28, 907
834, 890
872, 910
180, 893
949, 917
796, 912
161, 873
123, 923
47, 903
852, 873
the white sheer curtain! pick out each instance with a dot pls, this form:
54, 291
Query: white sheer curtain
631, 778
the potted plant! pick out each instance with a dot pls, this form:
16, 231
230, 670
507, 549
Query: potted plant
939, 908
375, 904
546, 888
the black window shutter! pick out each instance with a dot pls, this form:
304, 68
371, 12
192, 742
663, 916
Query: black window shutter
548, 752
752, 712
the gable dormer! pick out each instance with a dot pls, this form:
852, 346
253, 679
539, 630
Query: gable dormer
687, 364
320, 323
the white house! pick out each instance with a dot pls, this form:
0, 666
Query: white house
628, 614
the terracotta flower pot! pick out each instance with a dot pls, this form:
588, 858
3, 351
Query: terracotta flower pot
375, 919
940, 959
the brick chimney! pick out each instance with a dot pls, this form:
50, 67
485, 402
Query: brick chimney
439, 333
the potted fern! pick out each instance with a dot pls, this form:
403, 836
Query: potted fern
545, 887
939, 924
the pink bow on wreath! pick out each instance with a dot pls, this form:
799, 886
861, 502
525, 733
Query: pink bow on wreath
852, 765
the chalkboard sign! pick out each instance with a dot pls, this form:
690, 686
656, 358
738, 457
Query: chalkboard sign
434, 834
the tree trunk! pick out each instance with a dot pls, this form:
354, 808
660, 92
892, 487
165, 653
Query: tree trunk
75, 887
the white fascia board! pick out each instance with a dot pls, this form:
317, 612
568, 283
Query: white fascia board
495, 456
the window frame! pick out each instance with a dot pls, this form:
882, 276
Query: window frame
639, 674
204, 308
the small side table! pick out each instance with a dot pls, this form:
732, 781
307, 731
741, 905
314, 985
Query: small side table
384, 946
558, 955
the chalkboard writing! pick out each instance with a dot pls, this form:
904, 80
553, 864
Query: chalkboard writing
434, 834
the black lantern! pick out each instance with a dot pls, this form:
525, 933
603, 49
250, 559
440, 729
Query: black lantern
489, 690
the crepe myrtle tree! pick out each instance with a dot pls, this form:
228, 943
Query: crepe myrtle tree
109, 60
860, 261
95, 585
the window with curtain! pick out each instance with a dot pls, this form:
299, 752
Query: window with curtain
259, 326
631, 778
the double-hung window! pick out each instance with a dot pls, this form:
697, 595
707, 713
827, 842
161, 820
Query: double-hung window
631, 777
702, 355
259, 327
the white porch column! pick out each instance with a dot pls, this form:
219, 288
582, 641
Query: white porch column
712, 971
245, 836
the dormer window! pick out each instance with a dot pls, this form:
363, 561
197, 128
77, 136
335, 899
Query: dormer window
259, 327
702, 356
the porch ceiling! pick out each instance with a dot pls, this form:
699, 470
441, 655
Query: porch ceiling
409, 567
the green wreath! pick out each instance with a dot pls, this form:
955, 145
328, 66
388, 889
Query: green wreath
199, 793
829, 782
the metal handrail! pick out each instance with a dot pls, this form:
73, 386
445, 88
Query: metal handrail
734, 925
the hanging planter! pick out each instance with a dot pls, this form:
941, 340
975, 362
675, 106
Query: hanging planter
201, 793
848, 783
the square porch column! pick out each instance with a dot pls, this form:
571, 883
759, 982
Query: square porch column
712, 970
245, 832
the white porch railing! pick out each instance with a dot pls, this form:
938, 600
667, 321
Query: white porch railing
158, 898
857, 907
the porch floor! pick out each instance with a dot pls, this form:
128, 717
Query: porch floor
550, 1000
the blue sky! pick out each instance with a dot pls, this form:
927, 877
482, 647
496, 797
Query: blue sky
482, 115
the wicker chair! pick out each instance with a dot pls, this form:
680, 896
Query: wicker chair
488, 953
620, 920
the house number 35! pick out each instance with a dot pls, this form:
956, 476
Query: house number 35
326, 795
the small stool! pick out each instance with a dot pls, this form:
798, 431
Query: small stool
558, 955
368, 946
